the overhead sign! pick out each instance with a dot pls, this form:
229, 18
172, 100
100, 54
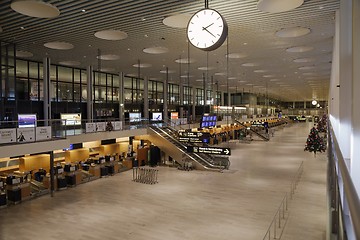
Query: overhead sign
194, 137
210, 150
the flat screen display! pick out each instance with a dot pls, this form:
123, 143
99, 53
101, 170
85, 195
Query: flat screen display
134, 117
174, 115
70, 119
157, 116
208, 121
26, 120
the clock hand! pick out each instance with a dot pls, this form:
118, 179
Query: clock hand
208, 26
208, 32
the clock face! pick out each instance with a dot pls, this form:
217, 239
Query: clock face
207, 30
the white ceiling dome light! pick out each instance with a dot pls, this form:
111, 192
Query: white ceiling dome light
276, 6
156, 50
59, 45
299, 49
142, 65
314, 102
177, 21
185, 60
108, 57
112, 35
70, 63
292, 32
33, 8
236, 55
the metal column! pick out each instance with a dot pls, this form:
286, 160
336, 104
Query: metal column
146, 98
90, 103
47, 97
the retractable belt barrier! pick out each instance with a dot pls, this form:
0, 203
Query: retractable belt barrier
145, 175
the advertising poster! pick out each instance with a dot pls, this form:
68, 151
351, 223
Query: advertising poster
156, 116
101, 126
70, 119
26, 120
8, 135
90, 127
25, 135
43, 133
117, 125
174, 115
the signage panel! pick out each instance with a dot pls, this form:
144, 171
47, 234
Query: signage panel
209, 150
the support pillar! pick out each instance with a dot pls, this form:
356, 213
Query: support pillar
146, 98
47, 97
121, 97
89, 92
166, 96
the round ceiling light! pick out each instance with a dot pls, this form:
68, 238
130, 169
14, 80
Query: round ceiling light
112, 35
220, 74
107, 69
307, 68
268, 76
250, 64
184, 60
70, 63
237, 55
314, 102
260, 71
156, 50
177, 21
299, 49
59, 45
276, 6
186, 76
34, 8
292, 32
303, 60
108, 57
168, 71
24, 54
205, 68
142, 65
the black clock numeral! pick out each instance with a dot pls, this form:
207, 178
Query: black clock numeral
192, 39
218, 35
197, 44
218, 18
213, 41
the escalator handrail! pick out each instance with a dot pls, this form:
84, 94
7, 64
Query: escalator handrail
260, 135
209, 165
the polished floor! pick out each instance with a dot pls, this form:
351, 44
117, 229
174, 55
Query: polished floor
196, 205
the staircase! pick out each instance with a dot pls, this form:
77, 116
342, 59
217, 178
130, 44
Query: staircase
166, 139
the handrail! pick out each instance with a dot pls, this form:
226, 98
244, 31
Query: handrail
349, 188
214, 167
276, 221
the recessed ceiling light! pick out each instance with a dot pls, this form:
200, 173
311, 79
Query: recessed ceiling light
37, 9
177, 21
276, 6
292, 32
22, 28
156, 50
268, 76
245, 43
83, 10
146, 35
59, 45
111, 34
306, 67
186, 76
128, 49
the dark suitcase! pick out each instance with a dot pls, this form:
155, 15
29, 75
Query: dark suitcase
14, 195
104, 171
70, 180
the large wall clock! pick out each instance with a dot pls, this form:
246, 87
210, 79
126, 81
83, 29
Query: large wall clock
207, 29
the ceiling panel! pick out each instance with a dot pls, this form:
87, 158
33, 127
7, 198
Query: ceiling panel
251, 32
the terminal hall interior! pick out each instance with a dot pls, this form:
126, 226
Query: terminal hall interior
179, 119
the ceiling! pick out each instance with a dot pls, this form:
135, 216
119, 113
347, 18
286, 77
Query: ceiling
252, 37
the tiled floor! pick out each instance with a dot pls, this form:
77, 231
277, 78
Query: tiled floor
237, 204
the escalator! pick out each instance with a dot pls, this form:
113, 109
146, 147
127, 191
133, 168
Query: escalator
263, 137
177, 150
